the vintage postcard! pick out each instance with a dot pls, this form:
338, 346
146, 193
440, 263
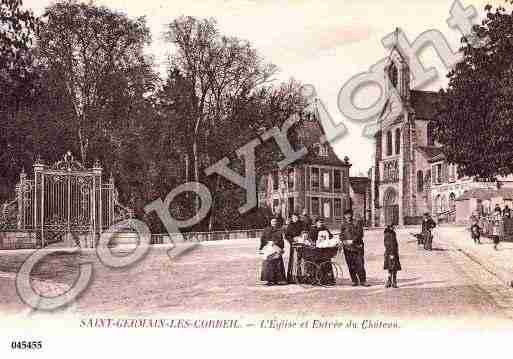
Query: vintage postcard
254, 173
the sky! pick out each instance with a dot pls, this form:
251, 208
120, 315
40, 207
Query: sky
319, 43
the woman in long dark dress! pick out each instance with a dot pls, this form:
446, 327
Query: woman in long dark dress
392, 263
273, 270
293, 230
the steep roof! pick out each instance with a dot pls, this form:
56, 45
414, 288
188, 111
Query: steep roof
309, 134
424, 104
431, 152
359, 184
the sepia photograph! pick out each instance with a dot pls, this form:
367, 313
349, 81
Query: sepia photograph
330, 174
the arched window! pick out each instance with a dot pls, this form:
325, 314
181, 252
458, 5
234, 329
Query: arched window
452, 202
427, 179
420, 181
393, 74
438, 204
397, 141
444, 204
389, 143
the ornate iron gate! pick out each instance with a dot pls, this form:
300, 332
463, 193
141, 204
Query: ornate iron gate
64, 200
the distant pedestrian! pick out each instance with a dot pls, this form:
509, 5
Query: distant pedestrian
496, 227
391, 260
475, 230
427, 225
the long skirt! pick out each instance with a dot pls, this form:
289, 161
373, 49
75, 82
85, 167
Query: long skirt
290, 267
393, 264
273, 270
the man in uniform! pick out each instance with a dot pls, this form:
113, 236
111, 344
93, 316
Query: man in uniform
351, 235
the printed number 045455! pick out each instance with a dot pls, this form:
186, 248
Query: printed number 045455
26, 345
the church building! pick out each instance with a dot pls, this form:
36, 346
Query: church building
411, 175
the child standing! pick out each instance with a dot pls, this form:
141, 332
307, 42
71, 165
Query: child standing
392, 263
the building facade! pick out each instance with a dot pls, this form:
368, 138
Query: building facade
359, 191
318, 183
411, 175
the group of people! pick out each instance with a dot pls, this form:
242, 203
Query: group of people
496, 222
351, 237
273, 268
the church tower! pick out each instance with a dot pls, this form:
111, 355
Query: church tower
394, 163
404, 148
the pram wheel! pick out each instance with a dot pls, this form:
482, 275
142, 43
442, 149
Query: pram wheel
328, 273
306, 273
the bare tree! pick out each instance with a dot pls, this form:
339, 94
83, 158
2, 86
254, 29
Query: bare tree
218, 72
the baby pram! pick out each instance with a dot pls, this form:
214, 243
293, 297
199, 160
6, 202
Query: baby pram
419, 238
425, 239
315, 266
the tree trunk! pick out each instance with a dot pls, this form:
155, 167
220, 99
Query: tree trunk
83, 146
196, 172
187, 167
212, 209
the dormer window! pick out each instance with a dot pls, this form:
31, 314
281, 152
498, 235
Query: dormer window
322, 150
309, 116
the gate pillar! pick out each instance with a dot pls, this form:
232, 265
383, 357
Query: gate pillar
38, 198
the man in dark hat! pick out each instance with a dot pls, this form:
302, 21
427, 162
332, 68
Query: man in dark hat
351, 235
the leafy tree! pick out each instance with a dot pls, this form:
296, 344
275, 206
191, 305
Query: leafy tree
475, 119
93, 50
17, 27
219, 86
217, 71
18, 77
